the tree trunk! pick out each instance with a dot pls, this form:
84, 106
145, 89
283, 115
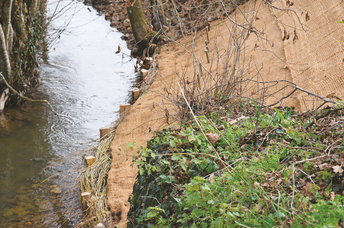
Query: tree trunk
6, 20
19, 23
34, 7
138, 23
158, 15
5, 67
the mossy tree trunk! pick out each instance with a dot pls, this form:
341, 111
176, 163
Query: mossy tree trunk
19, 24
138, 23
34, 7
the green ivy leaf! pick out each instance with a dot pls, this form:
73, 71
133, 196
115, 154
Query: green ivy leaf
263, 123
287, 115
183, 165
193, 187
142, 171
165, 162
279, 214
280, 131
179, 201
205, 187
175, 157
151, 214
131, 145
281, 117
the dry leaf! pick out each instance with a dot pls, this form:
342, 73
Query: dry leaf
211, 178
265, 185
322, 166
332, 196
237, 120
119, 50
337, 169
213, 138
221, 127
304, 189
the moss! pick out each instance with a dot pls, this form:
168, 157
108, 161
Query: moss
138, 24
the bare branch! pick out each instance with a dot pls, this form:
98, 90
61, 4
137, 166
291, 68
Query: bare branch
26, 98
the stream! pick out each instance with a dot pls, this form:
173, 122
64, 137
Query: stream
85, 81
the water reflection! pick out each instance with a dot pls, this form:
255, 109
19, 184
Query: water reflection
86, 82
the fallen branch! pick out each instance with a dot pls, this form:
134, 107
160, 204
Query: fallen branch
3, 99
26, 98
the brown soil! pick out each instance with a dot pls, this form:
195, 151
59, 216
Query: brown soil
315, 63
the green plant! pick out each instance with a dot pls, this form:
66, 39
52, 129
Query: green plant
266, 172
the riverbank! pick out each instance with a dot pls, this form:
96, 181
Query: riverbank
270, 61
153, 111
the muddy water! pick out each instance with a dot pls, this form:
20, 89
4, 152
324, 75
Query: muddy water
86, 82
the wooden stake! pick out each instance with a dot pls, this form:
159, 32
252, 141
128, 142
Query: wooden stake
90, 160
85, 198
150, 59
123, 108
136, 93
147, 62
104, 131
144, 72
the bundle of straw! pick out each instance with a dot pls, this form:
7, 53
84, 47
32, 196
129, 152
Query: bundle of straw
93, 179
